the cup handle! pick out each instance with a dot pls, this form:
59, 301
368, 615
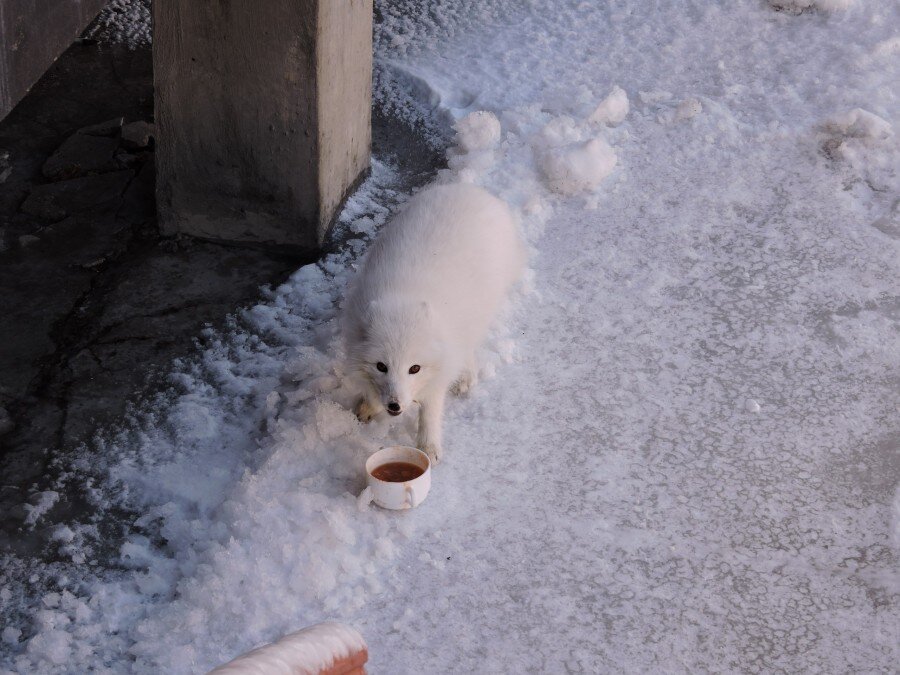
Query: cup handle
411, 497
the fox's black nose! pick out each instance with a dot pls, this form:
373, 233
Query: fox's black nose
393, 408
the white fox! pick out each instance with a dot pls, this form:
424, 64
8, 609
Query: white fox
428, 290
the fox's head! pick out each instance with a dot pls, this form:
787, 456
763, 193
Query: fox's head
398, 348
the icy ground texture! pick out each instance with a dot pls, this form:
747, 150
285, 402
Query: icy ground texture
124, 21
690, 463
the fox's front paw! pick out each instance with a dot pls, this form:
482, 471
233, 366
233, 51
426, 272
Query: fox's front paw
433, 450
464, 384
365, 411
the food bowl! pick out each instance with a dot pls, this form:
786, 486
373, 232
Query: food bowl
392, 480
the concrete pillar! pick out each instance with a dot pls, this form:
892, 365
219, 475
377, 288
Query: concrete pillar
263, 116
33, 33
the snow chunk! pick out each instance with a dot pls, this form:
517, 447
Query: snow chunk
579, 167
477, 134
612, 110
43, 502
560, 131
51, 646
11, 635
477, 131
687, 109
865, 141
333, 421
62, 534
887, 47
365, 225
311, 650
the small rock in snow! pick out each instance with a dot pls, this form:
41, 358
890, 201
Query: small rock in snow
752, 406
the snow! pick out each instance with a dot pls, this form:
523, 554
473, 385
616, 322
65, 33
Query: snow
859, 123
681, 455
578, 167
126, 22
477, 131
43, 502
11, 635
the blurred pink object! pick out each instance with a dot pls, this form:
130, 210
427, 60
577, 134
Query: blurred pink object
324, 649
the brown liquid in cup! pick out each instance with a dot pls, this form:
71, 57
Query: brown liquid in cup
397, 472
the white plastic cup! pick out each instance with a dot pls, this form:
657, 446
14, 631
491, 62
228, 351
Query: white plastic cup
405, 495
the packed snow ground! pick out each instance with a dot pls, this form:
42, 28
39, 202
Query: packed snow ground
683, 455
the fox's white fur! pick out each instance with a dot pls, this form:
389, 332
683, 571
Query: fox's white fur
426, 294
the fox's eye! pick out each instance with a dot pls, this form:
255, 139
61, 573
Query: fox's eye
414, 369
381, 367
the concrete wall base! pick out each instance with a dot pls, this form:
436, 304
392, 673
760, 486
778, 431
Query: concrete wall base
263, 115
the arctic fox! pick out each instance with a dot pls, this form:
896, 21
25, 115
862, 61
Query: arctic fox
423, 301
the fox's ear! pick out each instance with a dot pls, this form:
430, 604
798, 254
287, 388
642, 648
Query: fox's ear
357, 332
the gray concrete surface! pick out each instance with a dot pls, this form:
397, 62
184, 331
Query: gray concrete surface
95, 302
263, 117
33, 33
